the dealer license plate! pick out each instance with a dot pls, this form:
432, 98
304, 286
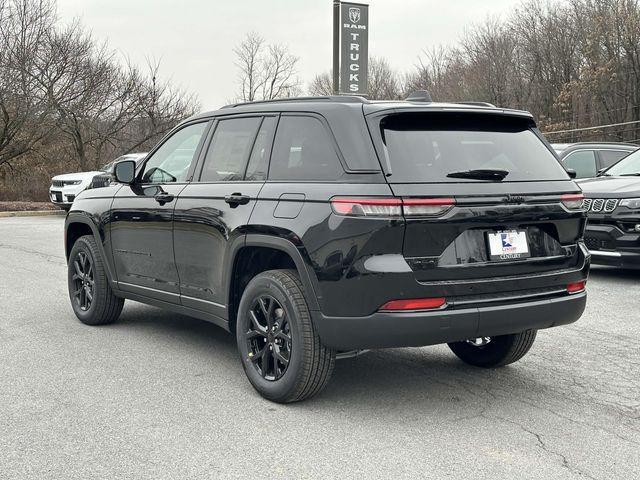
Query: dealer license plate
508, 245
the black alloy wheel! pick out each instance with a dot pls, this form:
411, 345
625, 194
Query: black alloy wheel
91, 296
83, 281
268, 338
281, 352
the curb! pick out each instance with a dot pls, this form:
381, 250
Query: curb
32, 213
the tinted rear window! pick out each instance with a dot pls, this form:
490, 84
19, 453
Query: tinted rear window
425, 147
303, 150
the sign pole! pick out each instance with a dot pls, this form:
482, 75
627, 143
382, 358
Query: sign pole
354, 48
336, 47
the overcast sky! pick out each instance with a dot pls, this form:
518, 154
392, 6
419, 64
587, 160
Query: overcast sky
194, 39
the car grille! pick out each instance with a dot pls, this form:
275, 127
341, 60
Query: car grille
600, 205
62, 183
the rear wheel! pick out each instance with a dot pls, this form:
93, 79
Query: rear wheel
280, 350
91, 297
492, 352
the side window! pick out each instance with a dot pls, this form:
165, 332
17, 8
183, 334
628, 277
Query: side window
583, 162
229, 150
170, 163
609, 157
303, 150
259, 160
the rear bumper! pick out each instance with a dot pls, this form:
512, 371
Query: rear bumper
414, 329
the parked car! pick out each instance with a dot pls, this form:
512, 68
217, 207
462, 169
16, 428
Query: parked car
315, 228
65, 188
613, 205
587, 159
560, 147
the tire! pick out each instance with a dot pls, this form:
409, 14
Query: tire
500, 351
275, 299
86, 271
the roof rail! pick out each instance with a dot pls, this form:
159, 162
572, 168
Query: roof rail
478, 104
325, 98
419, 96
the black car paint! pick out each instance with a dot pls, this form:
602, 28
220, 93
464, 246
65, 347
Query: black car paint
609, 235
339, 259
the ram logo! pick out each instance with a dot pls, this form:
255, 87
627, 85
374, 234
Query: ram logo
354, 15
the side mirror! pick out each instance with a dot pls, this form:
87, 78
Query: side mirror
572, 173
125, 171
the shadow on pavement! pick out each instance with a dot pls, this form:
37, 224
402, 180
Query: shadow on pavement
429, 377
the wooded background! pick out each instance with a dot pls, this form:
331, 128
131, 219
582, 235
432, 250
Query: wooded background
69, 103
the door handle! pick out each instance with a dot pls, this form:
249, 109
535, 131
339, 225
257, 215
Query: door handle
236, 199
163, 198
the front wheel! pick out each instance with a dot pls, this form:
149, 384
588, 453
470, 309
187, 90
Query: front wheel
280, 350
91, 297
492, 352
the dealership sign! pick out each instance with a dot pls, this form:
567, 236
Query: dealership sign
354, 46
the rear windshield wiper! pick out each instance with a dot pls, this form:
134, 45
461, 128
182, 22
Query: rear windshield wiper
480, 174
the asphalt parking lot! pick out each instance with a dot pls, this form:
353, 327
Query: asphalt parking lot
158, 395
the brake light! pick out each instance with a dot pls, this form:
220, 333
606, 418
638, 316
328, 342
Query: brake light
367, 207
390, 206
577, 287
414, 304
572, 201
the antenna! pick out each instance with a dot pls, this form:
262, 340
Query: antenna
419, 96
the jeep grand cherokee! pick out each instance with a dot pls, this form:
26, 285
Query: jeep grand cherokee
314, 228
612, 204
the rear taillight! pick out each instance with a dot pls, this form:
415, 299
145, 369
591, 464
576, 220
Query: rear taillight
367, 207
390, 206
577, 287
413, 304
418, 207
572, 201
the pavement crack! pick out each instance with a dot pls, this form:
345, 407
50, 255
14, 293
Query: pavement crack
543, 446
48, 257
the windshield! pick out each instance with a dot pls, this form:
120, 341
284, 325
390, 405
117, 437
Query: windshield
108, 168
452, 147
629, 165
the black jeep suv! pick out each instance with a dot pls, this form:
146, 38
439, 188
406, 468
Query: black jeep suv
319, 227
613, 205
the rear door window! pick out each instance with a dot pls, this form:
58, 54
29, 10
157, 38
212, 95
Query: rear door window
229, 150
259, 160
583, 162
303, 150
425, 147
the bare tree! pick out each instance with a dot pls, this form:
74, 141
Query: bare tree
161, 106
249, 62
265, 71
322, 84
384, 83
24, 116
